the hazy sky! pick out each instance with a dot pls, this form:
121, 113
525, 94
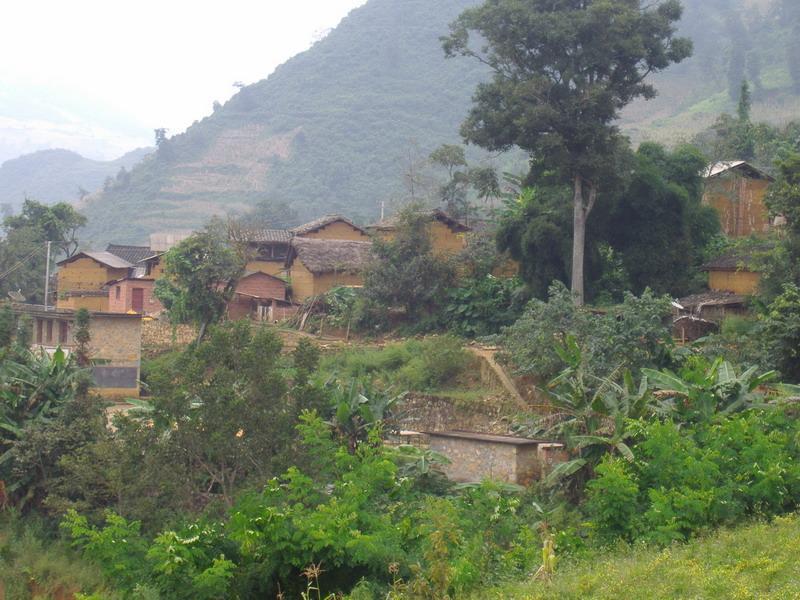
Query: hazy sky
150, 63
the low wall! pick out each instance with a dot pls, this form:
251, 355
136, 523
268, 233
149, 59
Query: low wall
159, 335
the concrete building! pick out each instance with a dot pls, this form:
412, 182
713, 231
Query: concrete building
478, 456
115, 346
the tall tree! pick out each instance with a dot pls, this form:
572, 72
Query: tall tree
562, 73
22, 251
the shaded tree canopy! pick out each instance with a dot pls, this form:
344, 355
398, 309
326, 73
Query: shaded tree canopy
200, 276
562, 72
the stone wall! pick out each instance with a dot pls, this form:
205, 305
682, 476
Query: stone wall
473, 460
159, 336
422, 412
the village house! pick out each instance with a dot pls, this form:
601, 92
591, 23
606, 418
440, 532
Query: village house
267, 249
331, 227
475, 457
115, 345
737, 190
733, 273
448, 235
82, 278
315, 266
262, 297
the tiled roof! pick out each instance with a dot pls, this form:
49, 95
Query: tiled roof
268, 235
132, 254
322, 222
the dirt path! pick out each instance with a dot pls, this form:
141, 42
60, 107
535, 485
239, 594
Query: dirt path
488, 354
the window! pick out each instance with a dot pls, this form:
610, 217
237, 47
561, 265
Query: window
49, 331
117, 292
39, 325
63, 332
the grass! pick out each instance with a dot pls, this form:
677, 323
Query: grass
428, 365
753, 561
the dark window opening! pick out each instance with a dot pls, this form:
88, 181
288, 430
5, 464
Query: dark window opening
49, 331
117, 292
63, 332
39, 325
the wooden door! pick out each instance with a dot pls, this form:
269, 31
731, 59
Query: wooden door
137, 299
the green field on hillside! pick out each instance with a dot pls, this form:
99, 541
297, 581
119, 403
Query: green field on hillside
755, 561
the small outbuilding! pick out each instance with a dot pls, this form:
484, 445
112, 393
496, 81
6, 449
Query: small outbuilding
477, 456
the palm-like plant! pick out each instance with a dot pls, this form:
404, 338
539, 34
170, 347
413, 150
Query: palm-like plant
358, 408
703, 391
35, 390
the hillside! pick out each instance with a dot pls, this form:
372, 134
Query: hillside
58, 175
755, 561
336, 127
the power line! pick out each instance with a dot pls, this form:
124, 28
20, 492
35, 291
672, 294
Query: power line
19, 264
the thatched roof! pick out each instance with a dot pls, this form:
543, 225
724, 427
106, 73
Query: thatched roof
330, 256
318, 224
697, 302
435, 214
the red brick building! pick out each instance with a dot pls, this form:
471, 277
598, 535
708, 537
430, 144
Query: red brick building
132, 294
260, 296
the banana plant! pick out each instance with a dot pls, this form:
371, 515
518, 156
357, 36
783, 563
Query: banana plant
705, 391
358, 408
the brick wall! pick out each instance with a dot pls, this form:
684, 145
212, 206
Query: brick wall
120, 296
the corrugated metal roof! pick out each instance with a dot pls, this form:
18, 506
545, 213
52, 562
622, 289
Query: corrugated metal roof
104, 258
723, 166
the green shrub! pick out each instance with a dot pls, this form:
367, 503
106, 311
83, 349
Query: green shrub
613, 500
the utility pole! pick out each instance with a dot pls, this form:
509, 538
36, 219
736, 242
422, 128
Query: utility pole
47, 276
383, 207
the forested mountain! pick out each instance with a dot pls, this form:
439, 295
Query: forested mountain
342, 126
58, 175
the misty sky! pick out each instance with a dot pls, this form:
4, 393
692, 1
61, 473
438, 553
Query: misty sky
113, 68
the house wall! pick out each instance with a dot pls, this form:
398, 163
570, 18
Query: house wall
443, 239
124, 303
114, 347
336, 231
86, 274
306, 284
476, 460
739, 200
270, 267
262, 287
91, 303
738, 282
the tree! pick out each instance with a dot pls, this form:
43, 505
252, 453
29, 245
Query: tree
82, 338
22, 251
200, 277
657, 225
453, 193
562, 73
271, 214
404, 271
